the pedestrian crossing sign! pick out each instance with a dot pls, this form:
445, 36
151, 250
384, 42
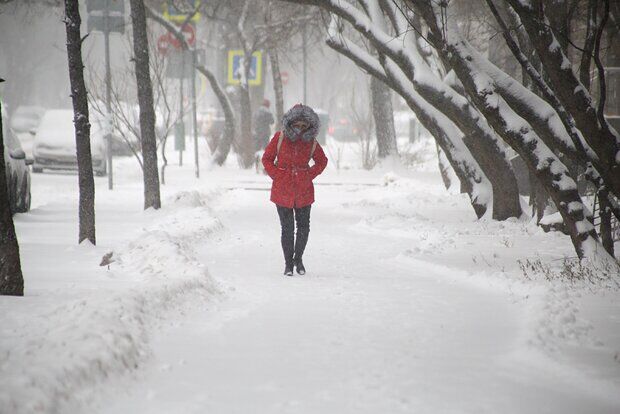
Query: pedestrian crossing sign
174, 14
235, 68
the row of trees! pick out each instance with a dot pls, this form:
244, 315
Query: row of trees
278, 29
10, 269
252, 25
418, 49
267, 25
474, 109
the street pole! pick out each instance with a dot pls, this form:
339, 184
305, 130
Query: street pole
305, 64
108, 97
181, 114
194, 115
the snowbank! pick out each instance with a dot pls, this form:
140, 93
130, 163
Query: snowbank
569, 309
57, 343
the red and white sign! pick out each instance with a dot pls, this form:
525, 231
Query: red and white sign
284, 77
163, 44
190, 36
169, 40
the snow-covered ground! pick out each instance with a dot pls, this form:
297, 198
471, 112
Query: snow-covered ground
409, 304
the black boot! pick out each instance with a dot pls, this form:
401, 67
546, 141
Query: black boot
288, 238
299, 266
302, 217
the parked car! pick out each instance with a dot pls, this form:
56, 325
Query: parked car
54, 143
24, 123
17, 172
343, 130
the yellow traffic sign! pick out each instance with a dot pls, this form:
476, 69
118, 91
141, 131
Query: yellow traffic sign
172, 14
235, 67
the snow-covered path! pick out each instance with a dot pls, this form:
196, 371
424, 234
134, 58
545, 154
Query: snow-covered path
360, 333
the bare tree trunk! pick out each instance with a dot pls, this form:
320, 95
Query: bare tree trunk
164, 160
246, 142
277, 86
79, 97
224, 144
539, 158
538, 197
588, 47
605, 215
148, 140
11, 279
447, 136
384, 118
450, 140
444, 167
480, 140
570, 92
246, 147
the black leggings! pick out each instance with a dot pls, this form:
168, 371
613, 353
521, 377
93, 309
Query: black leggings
293, 248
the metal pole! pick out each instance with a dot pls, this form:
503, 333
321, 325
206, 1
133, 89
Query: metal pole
194, 115
305, 64
181, 114
108, 96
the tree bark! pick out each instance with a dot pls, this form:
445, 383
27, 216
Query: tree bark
246, 147
571, 92
605, 216
148, 140
538, 197
384, 118
11, 278
479, 138
224, 144
164, 163
588, 46
449, 138
553, 175
246, 142
79, 98
228, 136
444, 167
485, 148
446, 134
277, 86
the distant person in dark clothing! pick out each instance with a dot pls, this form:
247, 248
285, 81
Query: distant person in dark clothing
262, 125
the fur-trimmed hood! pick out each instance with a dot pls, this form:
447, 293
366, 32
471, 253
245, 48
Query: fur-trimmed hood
306, 114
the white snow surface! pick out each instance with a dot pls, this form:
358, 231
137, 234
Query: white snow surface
409, 305
79, 323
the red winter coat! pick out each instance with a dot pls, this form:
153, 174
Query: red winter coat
292, 177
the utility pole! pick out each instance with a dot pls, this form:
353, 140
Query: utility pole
194, 114
107, 16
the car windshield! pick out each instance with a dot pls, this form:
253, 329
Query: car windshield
10, 141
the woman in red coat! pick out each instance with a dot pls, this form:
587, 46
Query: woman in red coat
286, 161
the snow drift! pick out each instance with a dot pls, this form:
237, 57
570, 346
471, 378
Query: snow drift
105, 331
